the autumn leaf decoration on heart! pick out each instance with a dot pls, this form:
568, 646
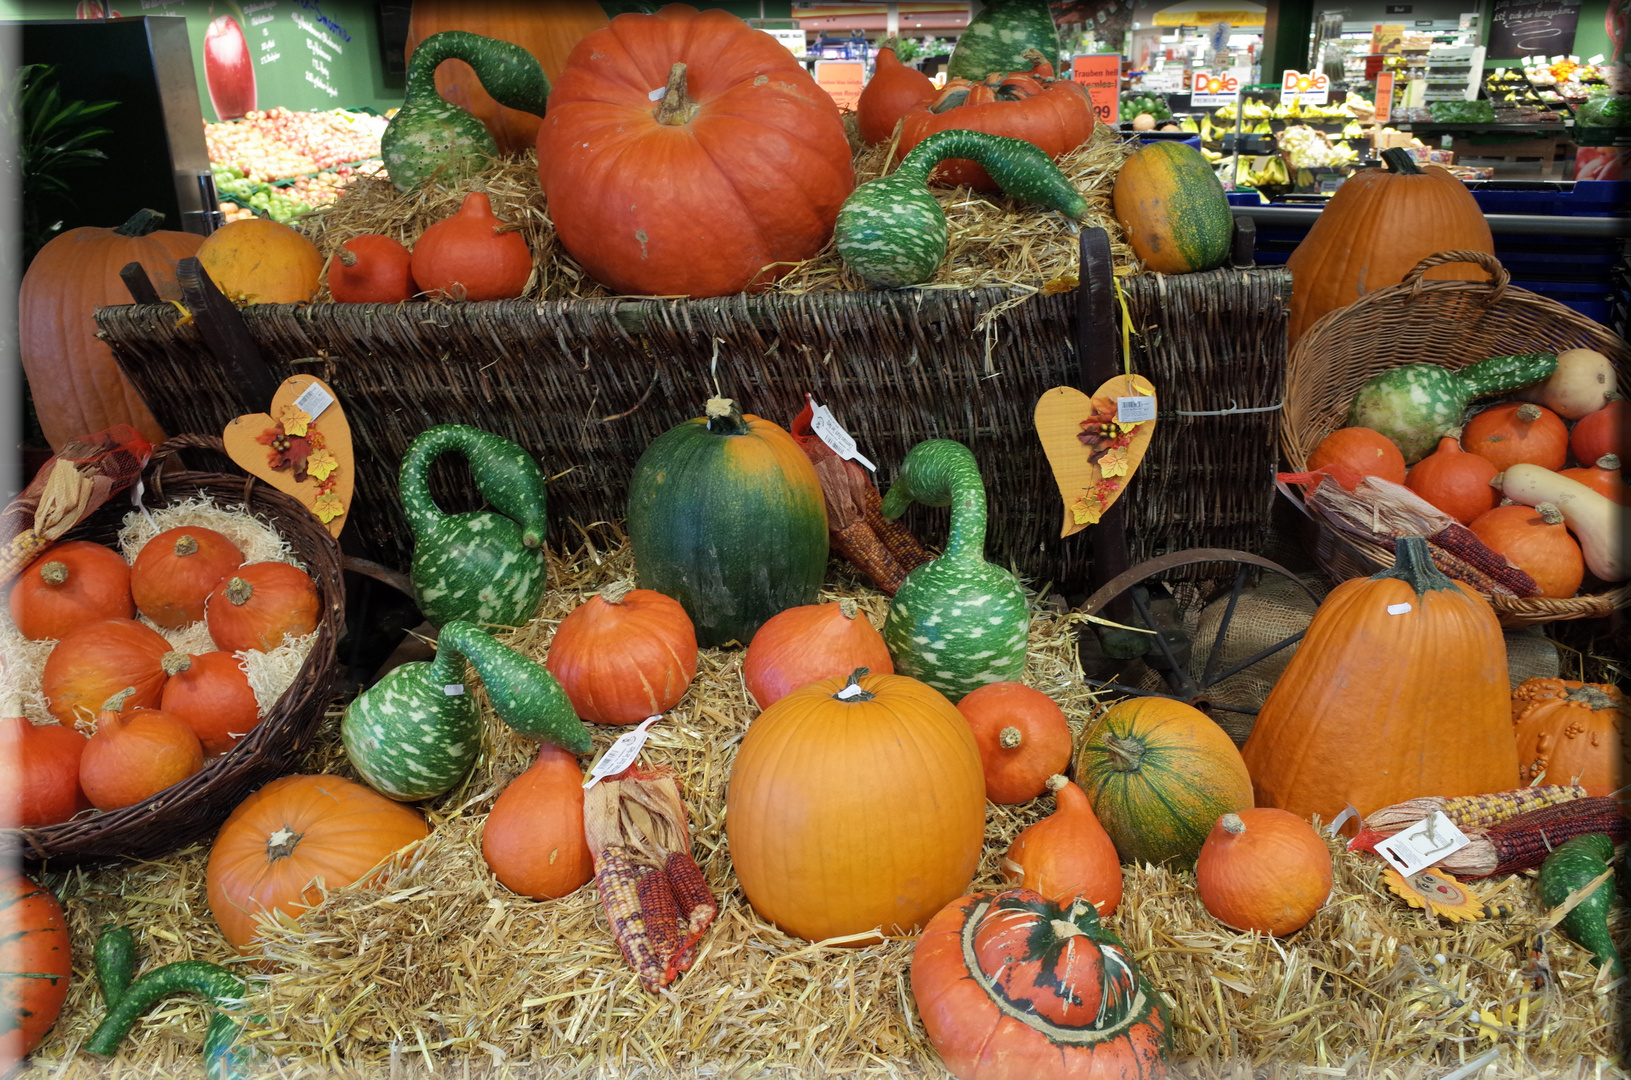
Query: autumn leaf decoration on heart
1094, 447
302, 447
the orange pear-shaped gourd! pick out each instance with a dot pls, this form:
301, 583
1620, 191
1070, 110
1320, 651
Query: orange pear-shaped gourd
470, 256
1067, 854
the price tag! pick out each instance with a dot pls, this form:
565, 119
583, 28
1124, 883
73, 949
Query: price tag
852, 690
1594, 61
621, 754
454, 689
313, 400
1423, 844
1134, 410
831, 432
1398, 609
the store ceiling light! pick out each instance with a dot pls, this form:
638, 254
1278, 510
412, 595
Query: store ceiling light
1207, 12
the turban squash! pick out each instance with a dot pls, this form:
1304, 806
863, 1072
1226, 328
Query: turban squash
685, 153
1010, 984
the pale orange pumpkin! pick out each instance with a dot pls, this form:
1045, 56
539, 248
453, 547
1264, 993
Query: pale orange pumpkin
260, 261
533, 840
1263, 869
1572, 733
1067, 854
295, 832
1023, 738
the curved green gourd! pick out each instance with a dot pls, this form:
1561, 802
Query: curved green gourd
486, 566
1574, 865
958, 622
893, 232
430, 137
128, 1000
1417, 404
414, 733
996, 39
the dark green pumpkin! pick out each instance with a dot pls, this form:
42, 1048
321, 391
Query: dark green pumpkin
996, 39
726, 516
1173, 209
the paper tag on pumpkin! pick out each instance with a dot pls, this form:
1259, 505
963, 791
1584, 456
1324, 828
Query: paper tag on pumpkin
1428, 841
831, 432
454, 689
621, 754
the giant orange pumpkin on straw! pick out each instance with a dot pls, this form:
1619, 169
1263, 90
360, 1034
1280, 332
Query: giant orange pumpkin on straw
855, 805
286, 843
685, 153
1398, 690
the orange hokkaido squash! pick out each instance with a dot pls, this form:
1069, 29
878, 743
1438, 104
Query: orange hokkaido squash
533, 840
810, 642
892, 91
176, 570
624, 655
70, 585
1263, 869
135, 756
1023, 736
1067, 854
98, 660
77, 386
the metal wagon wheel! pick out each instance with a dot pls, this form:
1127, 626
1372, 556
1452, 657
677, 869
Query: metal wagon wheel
1181, 686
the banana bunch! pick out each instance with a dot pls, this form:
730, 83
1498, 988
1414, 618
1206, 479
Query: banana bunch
1272, 174
1256, 110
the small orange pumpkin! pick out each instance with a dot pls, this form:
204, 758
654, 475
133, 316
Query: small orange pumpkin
1263, 869
261, 606
39, 772
1455, 481
70, 585
1604, 477
1535, 540
280, 842
466, 256
1023, 738
624, 655
176, 570
1365, 451
211, 692
98, 660
534, 841
1518, 431
260, 261
134, 757
893, 90
804, 644
1067, 854
371, 269
1574, 733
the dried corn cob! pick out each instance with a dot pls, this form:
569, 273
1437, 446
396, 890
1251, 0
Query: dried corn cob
618, 878
1473, 811
1523, 842
24, 548
1462, 542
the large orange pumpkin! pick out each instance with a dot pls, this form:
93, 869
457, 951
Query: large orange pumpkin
1574, 733
855, 809
294, 835
686, 153
1398, 690
547, 31
1379, 224
36, 963
78, 387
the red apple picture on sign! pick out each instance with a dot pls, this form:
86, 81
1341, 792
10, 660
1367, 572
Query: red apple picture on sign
229, 72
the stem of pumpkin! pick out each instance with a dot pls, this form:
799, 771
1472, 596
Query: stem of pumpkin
346, 256
238, 591
1127, 755
1413, 564
676, 108
175, 662
141, 223
724, 418
1591, 697
852, 690
1009, 738
186, 545
54, 573
1398, 160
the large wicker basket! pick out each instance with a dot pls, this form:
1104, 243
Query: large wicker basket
1454, 323
193, 808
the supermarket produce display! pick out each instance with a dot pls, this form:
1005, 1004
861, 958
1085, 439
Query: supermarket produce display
282, 163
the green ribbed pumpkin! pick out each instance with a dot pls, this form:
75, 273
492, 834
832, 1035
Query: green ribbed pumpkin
1173, 209
726, 516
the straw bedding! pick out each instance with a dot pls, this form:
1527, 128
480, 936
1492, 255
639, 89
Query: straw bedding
442, 972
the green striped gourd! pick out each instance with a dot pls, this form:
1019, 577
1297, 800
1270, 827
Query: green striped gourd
996, 39
433, 138
486, 566
892, 232
1415, 405
414, 733
726, 516
1575, 864
128, 999
958, 622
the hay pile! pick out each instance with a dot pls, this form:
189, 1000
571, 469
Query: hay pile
994, 240
444, 973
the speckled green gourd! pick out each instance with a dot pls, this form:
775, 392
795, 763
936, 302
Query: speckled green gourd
431, 137
891, 230
485, 566
996, 39
127, 999
958, 622
414, 733
1574, 865
1417, 404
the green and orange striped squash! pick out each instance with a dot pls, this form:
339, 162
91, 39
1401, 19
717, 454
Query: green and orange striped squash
1173, 210
726, 516
1160, 773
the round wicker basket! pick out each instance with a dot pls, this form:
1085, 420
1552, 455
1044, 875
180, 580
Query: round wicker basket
1453, 323
193, 808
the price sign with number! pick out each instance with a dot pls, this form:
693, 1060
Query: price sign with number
1100, 73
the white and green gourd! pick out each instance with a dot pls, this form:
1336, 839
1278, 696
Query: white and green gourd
414, 733
957, 622
893, 233
997, 37
1417, 404
485, 566
431, 138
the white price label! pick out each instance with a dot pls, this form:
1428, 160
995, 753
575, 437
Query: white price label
621, 754
1134, 410
1426, 842
831, 432
1398, 609
1594, 61
657, 94
454, 689
313, 400
852, 690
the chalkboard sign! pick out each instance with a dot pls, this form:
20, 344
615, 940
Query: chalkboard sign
1531, 27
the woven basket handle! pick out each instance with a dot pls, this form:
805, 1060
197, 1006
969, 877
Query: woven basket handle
177, 443
1498, 276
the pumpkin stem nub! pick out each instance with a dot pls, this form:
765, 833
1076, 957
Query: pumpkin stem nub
1398, 161
1056, 782
616, 592
852, 690
1009, 738
1232, 824
186, 545
1127, 755
346, 256
1591, 697
849, 609
141, 223
1528, 413
1609, 462
54, 573
676, 108
724, 418
238, 591
1549, 513
281, 844
1413, 564
175, 662
116, 703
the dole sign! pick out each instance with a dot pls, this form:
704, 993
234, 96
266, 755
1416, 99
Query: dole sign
1211, 89
1299, 89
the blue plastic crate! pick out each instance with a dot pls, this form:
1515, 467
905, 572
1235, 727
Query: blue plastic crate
1584, 198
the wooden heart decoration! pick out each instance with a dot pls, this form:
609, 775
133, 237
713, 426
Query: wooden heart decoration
1094, 448
302, 447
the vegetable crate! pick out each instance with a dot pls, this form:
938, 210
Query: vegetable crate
587, 385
